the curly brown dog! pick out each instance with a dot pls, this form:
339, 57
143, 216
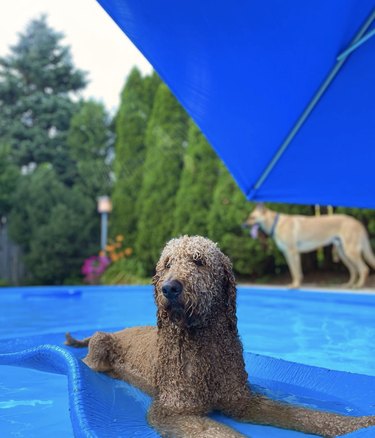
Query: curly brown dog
192, 362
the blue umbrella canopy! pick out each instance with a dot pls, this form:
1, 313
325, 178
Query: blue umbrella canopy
284, 90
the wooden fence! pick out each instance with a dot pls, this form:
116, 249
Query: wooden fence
12, 268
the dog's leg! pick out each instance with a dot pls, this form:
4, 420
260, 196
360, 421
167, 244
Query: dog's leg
293, 259
262, 410
103, 351
355, 257
351, 267
363, 272
171, 425
73, 342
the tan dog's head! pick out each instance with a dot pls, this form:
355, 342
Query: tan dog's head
194, 283
256, 216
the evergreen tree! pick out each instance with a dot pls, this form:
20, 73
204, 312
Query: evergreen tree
9, 175
198, 179
165, 140
228, 212
36, 82
54, 225
130, 125
90, 146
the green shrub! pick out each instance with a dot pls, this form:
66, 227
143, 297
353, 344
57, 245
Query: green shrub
124, 271
3, 282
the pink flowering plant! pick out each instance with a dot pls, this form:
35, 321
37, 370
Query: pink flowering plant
93, 267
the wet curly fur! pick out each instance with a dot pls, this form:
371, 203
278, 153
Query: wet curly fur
192, 362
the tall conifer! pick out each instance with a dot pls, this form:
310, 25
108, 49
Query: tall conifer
37, 80
228, 211
130, 125
198, 179
90, 145
166, 141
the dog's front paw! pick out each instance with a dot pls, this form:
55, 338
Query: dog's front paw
294, 285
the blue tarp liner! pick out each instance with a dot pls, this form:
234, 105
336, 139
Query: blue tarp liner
246, 71
104, 407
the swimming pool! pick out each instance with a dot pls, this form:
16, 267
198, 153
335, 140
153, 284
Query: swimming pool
331, 330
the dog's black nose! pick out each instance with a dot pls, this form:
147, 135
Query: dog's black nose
171, 289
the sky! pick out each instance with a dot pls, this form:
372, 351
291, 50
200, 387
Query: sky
98, 46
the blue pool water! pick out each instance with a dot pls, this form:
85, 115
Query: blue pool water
331, 330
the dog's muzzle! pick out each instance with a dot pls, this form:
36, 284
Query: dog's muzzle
172, 289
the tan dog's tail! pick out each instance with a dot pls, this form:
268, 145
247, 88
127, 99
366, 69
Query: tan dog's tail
367, 252
72, 342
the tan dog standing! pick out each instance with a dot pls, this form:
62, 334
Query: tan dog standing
296, 234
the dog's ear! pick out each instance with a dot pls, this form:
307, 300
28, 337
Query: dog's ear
160, 314
230, 292
260, 206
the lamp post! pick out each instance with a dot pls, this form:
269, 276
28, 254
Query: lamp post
104, 208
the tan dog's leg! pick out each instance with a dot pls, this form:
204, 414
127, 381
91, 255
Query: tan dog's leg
351, 267
355, 257
363, 272
293, 259
171, 425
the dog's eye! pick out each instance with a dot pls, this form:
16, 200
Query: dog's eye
198, 262
167, 264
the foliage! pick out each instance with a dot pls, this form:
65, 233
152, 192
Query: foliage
228, 211
9, 175
198, 179
36, 82
93, 267
130, 124
58, 159
166, 141
124, 265
117, 249
108, 267
124, 271
53, 224
89, 144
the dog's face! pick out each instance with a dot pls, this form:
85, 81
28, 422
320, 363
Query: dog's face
191, 282
256, 216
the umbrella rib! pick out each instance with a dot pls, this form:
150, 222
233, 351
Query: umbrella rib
355, 46
357, 40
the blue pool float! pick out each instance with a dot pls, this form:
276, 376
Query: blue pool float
104, 407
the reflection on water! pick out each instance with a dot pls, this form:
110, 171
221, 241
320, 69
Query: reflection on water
333, 331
